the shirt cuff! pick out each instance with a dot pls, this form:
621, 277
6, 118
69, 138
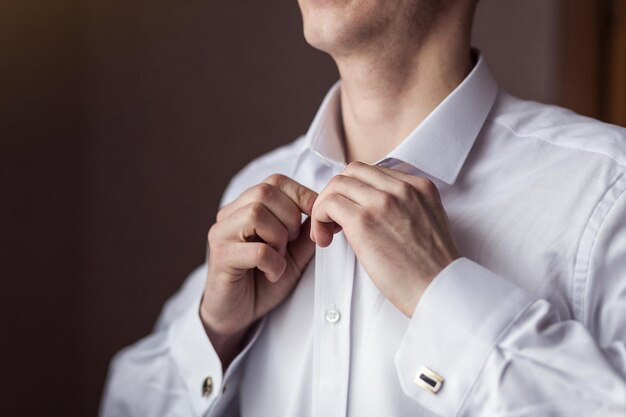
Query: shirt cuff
197, 360
456, 324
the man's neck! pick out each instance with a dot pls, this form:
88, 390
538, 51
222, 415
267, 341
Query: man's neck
387, 93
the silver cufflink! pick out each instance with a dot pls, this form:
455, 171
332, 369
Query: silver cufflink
428, 380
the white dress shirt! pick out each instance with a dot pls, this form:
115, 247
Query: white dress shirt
531, 321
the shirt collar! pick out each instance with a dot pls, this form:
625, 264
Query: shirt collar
438, 146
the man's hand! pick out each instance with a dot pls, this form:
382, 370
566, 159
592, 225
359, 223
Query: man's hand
258, 249
394, 222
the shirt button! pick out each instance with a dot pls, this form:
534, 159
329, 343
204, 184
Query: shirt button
333, 316
207, 386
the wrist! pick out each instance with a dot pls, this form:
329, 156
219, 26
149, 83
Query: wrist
227, 344
421, 285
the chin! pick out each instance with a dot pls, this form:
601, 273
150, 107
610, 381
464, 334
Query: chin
336, 26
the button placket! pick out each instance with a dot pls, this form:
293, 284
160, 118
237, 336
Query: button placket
333, 286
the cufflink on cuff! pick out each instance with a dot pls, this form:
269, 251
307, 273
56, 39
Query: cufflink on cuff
428, 380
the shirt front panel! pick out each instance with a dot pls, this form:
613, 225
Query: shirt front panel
311, 364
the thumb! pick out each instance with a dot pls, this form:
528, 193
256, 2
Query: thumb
302, 248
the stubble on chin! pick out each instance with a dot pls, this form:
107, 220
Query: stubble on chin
368, 25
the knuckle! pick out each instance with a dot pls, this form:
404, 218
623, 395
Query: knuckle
211, 235
262, 252
405, 190
427, 185
352, 166
306, 198
365, 219
332, 198
338, 179
276, 179
256, 211
355, 164
301, 195
262, 192
217, 254
221, 214
386, 201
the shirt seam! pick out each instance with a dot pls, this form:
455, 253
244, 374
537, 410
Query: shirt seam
584, 280
579, 273
543, 138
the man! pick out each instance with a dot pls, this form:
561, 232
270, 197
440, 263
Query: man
473, 263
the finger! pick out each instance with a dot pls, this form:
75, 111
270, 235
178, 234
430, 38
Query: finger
302, 196
335, 227
254, 220
356, 190
383, 179
302, 248
277, 202
423, 184
243, 256
333, 208
427, 189
395, 182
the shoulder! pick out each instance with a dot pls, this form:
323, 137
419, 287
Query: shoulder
560, 129
279, 160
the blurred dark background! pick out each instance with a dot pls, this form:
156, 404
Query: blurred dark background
122, 121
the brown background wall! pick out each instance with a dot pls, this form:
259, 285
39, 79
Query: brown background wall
121, 123
41, 214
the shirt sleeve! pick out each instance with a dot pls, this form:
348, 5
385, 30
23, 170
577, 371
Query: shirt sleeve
164, 373
502, 351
